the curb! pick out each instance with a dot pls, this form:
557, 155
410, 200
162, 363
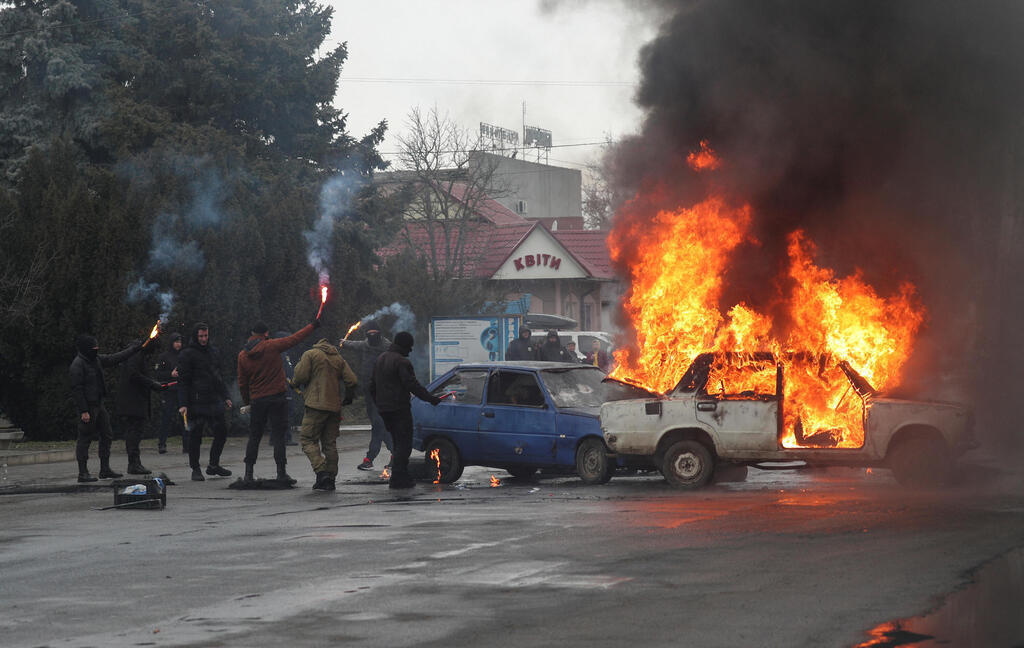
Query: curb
46, 456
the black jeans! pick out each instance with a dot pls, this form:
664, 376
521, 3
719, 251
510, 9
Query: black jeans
170, 420
97, 427
131, 428
274, 409
399, 425
218, 426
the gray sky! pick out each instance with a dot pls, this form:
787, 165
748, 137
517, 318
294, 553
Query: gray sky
392, 42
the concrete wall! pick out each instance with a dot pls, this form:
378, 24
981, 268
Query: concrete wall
549, 191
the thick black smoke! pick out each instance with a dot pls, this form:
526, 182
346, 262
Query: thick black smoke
890, 131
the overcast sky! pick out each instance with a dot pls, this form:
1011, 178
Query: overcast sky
509, 48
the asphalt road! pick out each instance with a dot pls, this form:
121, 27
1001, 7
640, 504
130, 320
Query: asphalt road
786, 558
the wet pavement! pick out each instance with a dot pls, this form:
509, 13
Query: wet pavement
786, 558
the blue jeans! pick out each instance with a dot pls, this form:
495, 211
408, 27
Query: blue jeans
378, 431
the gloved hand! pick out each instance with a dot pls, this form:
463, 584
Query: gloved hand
435, 401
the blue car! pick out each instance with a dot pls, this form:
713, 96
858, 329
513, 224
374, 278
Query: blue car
520, 417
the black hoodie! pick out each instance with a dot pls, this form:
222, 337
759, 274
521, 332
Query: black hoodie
394, 380
86, 371
200, 387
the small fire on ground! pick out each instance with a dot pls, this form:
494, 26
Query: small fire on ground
677, 260
386, 474
435, 454
495, 482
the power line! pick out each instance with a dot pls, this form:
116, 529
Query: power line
79, 23
510, 82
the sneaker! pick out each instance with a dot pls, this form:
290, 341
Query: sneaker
84, 477
214, 469
366, 465
197, 475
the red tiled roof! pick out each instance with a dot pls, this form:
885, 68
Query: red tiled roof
590, 249
487, 207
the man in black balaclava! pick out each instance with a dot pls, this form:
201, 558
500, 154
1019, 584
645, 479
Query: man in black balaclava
167, 372
88, 389
392, 383
133, 387
521, 348
552, 350
202, 399
370, 349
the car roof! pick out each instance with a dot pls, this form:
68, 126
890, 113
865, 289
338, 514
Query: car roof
523, 364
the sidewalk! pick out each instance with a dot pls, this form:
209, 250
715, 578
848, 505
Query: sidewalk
55, 471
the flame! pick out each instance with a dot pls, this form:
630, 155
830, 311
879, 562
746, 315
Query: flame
386, 474
703, 160
323, 294
495, 482
677, 262
156, 330
352, 329
435, 454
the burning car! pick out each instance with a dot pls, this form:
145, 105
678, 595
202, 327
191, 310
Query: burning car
518, 416
745, 408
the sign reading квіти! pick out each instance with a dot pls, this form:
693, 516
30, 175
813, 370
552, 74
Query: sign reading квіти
530, 260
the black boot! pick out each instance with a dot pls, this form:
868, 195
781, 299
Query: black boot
105, 471
83, 472
284, 477
214, 469
135, 467
321, 480
197, 474
329, 483
162, 448
248, 473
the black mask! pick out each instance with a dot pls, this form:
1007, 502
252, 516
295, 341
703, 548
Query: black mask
373, 338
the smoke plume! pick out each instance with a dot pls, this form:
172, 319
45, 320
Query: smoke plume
337, 197
405, 319
888, 131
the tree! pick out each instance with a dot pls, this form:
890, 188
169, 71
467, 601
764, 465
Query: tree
600, 198
179, 143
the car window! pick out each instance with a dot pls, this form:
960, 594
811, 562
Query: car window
466, 386
741, 377
586, 387
514, 388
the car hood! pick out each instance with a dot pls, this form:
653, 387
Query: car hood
590, 412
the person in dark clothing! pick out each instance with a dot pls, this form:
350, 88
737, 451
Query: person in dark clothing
88, 390
392, 383
370, 349
133, 387
293, 414
552, 350
203, 398
262, 384
522, 348
167, 372
570, 348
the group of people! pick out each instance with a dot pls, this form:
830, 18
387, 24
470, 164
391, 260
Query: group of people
551, 350
190, 377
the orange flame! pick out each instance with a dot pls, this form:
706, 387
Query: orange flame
703, 160
352, 329
386, 474
676, 270
152, 334
323, 294
435, 454
495, 482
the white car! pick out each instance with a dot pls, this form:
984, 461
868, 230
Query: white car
690, 430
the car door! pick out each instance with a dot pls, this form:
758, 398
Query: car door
740, 402
457, 416
517, 423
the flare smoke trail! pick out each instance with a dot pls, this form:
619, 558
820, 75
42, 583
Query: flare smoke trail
337, 196
405, 319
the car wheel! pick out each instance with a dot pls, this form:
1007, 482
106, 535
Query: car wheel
592, 462
450, 467
729, 472
921, 462
522, 472
688, 464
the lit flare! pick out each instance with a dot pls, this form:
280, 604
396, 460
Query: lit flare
435, 454
323, 300
152, 334
351, 330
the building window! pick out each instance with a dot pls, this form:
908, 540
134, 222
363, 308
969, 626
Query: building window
521, 207
587, 316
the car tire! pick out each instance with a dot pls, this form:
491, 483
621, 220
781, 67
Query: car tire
688, 464
522, 472
448, 456
592, 463
921, 462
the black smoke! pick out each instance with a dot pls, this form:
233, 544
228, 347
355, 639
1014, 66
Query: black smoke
890, 131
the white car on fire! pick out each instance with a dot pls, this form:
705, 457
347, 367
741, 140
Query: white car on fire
733, 408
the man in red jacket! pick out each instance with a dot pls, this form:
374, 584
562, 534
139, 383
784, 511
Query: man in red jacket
261, 382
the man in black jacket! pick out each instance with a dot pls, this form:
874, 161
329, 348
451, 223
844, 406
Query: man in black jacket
133, 387
552, 351
88, 389
203, 398
390, 387
167, 372
521, 348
